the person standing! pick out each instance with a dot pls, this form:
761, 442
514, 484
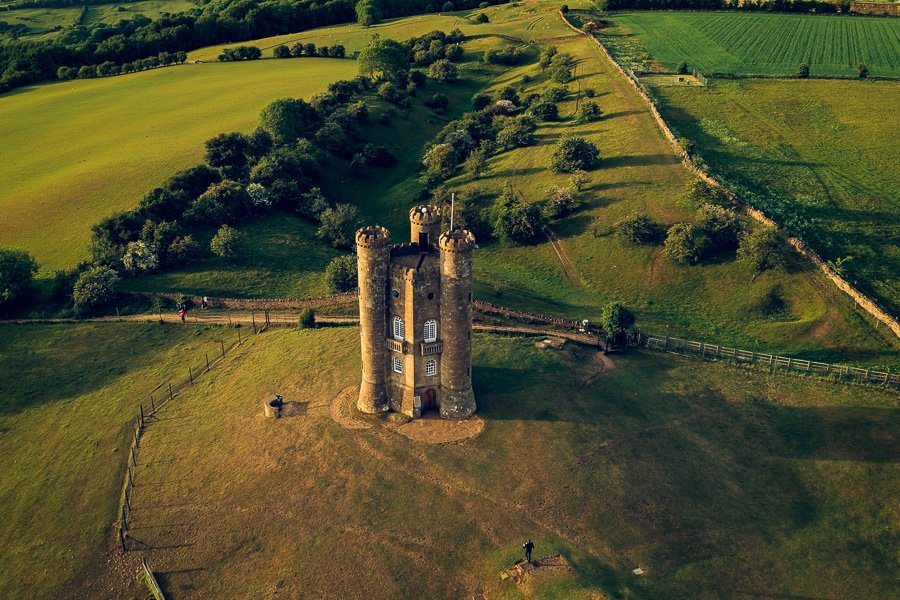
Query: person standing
529, 547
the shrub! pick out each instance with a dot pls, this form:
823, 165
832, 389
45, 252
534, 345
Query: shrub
682, 68
615, 319
139, 256
418, 78
439, 102
481, 101
637, 228
95, 287
517, 223
546, 111
337, 225
573, 154
340, 274
307, 319
182, 250
579, 180
481, 18
443, 70
803, 71
589, 92
564, 8
312, 203
561, 67
685, 243
722, 225
224, 202
516, 132
440, 162
17, 270
393, 94
862, 71
281, 51
588, 112
560, 203
555, 93
225, 243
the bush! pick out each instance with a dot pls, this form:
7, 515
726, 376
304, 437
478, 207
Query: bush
225, 243
182, 250
760, 249
564, 8
443, 70
862, 71
560, 203
546, 111
573, 154
682, 68
337, 225
481, 101
637, 228
803, 71
685, 243
481, 18
561, 67
418, 78
722, 225
589, 92
340, 274
281, 51
95, 287
307, 319
17, 270
517, 223
139, 256
438, 102
516, 132
615, 319
588, 112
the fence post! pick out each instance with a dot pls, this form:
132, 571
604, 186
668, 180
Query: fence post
160, 315
222, 344
191, 375
253, 317
142, 415
122, 538
152, 405
207, 362
239, 335
170, 391
229, 317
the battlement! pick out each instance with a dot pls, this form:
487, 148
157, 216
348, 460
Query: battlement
427, 214
373, 236
459, 240
405, 249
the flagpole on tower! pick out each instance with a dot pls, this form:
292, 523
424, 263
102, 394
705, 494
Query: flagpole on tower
452, 200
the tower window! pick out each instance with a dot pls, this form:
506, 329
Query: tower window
398, 364
395, 293
399, 330
431, 367
430, 330
431, 295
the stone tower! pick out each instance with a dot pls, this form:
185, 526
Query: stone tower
415, 310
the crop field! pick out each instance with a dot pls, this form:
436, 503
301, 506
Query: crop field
67, 163
67, 393
756, 44
711, 480
40, 21
827, 148
152, 9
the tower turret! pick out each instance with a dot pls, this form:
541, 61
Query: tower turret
373, 257
425, 225
457, 250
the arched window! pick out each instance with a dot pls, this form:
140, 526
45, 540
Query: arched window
430, 330
398, 328
398, 364
431, 367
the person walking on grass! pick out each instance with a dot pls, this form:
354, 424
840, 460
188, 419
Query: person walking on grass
529, 547
182, 311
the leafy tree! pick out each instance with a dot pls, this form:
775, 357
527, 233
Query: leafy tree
289, 119
17, 270
476, 164
443, 70
307, 319
481, 101
225, 243
588, 112
182, 250
340, 274
579, 180
440, 162
482, 18
564, 8
685, 243
309, 49
760, 249
140, 256
546, 111
383, 59
574, 154
560, 203
281, 51
224, 202
453, 52
448, 7
368, 12
616, 319
722, 225
337, 225
561, 67
517, 223
637, 228
682, 68
516, 132
192, 182
228, 153
259, 196
95, 287
438, 102
862, 71
546, 56
803, 71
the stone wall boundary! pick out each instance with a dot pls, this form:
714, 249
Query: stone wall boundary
867, 304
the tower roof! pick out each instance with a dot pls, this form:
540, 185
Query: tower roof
373, 235
426, 214
458, 240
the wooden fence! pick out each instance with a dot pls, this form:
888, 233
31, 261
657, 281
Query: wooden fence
158, 397
150, 581
771, 362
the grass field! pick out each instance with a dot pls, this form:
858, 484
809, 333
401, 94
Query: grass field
67, 394
715, 482
142, 129
825, 147
755, 43
44, 23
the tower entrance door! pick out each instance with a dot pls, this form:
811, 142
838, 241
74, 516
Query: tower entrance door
429, 401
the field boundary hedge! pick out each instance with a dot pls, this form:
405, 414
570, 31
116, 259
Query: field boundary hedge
867, 304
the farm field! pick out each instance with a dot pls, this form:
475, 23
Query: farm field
711, 480
44, 23
67, 396
820, 152
755, 44
152, 124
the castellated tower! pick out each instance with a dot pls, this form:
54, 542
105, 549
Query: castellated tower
415, 309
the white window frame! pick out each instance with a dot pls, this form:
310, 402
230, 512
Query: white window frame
431, 367
398, 364
398, 329
431, 330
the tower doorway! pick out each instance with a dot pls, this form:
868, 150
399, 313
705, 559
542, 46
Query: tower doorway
429, 401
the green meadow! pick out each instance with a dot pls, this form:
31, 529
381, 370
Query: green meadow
68, 164
825, 147
755, 43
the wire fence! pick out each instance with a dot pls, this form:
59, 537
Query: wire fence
157, 398
771, 362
